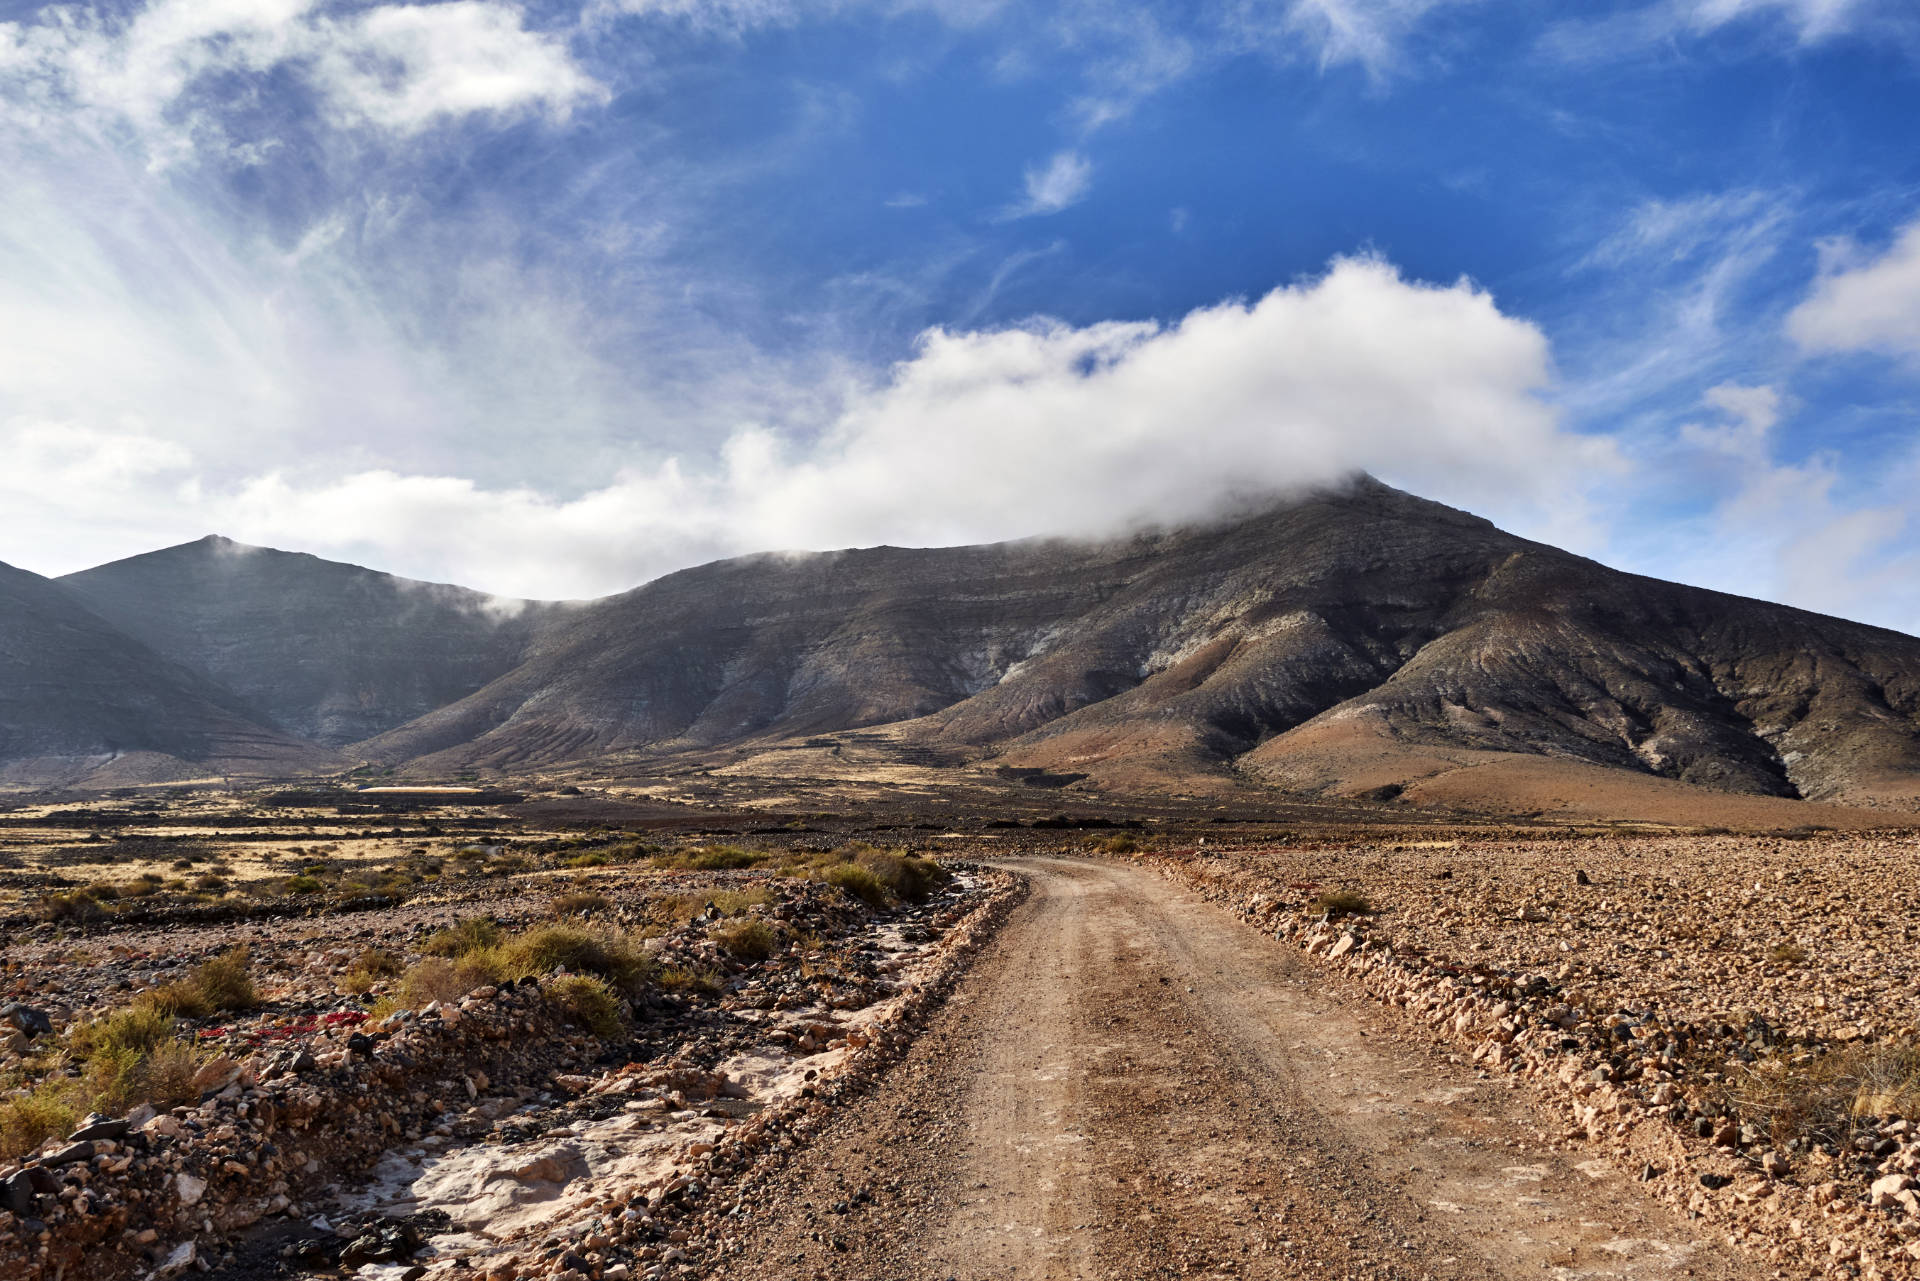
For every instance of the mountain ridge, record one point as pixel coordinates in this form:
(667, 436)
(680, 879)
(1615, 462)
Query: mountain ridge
(1352, 641)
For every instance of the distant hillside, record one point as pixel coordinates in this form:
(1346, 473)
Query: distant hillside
(1357, 640)
(77, 696)
(331, 652)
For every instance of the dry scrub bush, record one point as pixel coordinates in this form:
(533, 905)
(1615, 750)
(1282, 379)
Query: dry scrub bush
(710, 858)
(1342, 903)
(1122, 844)
(745, 939)
(589, 1002)
(875, 876)
(1787, 953)
(369, 968)
(1821, 1096)
(126, 1059)
(577, 904)
(468, 936)
(215, 986)
(76, 908)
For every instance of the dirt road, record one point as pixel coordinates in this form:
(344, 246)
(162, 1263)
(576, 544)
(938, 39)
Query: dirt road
(1134, 1084)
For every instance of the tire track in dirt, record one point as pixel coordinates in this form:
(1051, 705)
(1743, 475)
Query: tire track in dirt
(1131, 1083)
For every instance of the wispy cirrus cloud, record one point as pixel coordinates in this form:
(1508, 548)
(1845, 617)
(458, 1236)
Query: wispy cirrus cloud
(1062, 181)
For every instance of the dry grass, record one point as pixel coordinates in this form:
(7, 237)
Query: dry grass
(877, 877)
(577, 904)
(126, 1059)
(1822, 1096)
(589, 1002)
(217, 986)
(1342, 903)
(746, 939)
(710, 858)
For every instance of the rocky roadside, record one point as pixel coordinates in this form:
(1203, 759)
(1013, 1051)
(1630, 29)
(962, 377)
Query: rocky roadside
(1660, 1076)
(492, 1134)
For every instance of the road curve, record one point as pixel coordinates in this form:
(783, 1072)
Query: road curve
(1131, 1083)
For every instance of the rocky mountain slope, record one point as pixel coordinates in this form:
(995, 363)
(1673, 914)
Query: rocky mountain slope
(331, 652)
(1358, 641)
(77, 696)
(1354, 640)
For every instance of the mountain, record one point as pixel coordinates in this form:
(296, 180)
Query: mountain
(333, 653)
(1356, 640)
(78, 696)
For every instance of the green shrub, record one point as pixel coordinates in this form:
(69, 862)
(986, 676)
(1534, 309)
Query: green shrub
(589, 1002)
(549, 947)
(470, 935)
(593, 859)
(221, 984)
(303, 884)
(861, 882)
(711, 858)
(747, 938)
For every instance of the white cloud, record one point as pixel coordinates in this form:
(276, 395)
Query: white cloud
(1370, 33)
(1799, 23)
(1864, 304)
(1805, 531)
(396, 67)
(1064, 180)
(984, 435)
(1812, 19)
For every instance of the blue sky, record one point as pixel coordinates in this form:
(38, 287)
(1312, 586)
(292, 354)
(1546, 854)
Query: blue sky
(551, 298)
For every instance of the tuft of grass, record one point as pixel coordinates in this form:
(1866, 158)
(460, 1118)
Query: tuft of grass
(218, 985)
(710, 858)
(701, 982)
(861, 882)
(578, 904)
(1121, 844)
(746, 939)
(1342, 903)
(471, 935)
(1822, 1096)
(75, 908)
(589, 1002)
(1787, 952)
(876, 877)
(303, 884)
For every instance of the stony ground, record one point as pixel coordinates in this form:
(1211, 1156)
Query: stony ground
(1319, 1052)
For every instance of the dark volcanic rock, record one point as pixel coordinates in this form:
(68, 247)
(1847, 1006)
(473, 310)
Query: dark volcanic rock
(1400, 624)
(331, 652)
(76, 692)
